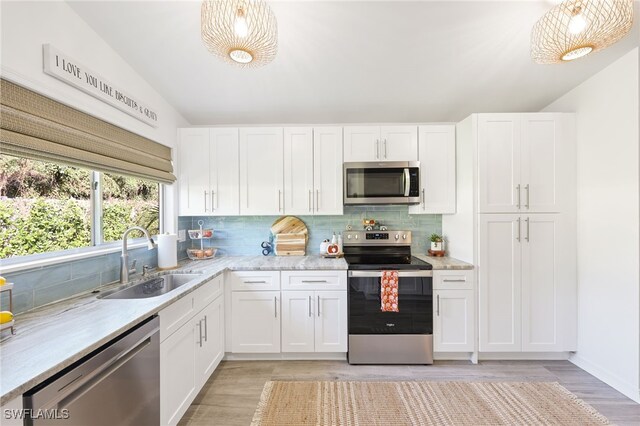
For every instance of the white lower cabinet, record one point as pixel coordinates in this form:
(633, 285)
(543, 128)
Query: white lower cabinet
(255, 321)
(314, 321)
(453, 311)
(190, 354)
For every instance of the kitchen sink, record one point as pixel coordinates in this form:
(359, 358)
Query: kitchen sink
(151, 288)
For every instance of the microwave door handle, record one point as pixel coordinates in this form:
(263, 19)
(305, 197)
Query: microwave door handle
(407, 182)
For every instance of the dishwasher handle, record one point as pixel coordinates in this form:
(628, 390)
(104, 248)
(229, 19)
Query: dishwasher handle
(83, 386)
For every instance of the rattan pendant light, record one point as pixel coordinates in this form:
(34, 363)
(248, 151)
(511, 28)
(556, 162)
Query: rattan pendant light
(243, 32)
(575, 28)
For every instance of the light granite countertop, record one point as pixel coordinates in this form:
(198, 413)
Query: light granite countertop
(55, 336)
(444, 263)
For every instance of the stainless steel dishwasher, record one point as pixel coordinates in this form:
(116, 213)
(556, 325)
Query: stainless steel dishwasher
(118, 384)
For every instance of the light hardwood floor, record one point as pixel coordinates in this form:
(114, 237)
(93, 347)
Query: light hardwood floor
(231, 395)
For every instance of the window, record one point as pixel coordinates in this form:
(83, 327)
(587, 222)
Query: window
(48, 207)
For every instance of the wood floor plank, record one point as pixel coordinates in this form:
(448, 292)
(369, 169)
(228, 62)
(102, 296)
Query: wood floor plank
(231, 395)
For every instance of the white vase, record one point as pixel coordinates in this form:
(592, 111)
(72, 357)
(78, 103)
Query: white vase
(439, 246)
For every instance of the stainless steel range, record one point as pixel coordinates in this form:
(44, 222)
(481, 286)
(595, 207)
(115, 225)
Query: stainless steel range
(377, 337)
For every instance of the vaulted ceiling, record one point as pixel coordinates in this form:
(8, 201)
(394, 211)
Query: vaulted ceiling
(349, 61)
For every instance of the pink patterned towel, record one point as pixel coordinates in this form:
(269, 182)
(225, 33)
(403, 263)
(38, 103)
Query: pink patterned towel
(389, 291)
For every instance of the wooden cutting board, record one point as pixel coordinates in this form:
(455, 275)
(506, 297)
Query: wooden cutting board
(290, 236)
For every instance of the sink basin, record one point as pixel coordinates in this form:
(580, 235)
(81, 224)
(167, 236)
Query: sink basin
(151, 288)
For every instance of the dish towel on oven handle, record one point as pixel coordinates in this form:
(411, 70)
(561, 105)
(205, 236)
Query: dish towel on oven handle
(389, 291)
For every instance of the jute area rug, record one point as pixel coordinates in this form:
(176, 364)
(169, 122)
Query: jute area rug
(421, 403)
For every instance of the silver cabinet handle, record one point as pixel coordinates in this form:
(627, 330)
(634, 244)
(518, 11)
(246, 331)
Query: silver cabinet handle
(213, 203)
(254, 282)
(454, 281)
(318, 305)
(527, 235)
(309, 306)
(518, 237)
(200, 333)
(438, 305)
(317, 199)
(518, 189)
(314, 281)
(310, 198)
(526, 188)
(275, 306)
(205, 200)
(385, 149)
(206, 334)
(377, 149)
(279, 202)
(424, 207)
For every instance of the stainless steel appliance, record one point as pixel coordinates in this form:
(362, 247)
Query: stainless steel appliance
(376, 337)
(118, 384)
(374, 182)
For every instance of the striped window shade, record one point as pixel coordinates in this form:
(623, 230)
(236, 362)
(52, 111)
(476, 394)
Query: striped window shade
(37, 127)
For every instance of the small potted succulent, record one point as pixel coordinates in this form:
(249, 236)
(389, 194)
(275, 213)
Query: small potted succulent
(437, 242)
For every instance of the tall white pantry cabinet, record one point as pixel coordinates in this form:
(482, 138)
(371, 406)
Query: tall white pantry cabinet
(516, 221)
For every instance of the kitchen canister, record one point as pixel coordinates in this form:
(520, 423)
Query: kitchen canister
(167, 251)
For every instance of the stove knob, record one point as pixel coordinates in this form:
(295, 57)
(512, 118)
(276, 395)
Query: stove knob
(356, 236)
(397, 237)
(404, 237)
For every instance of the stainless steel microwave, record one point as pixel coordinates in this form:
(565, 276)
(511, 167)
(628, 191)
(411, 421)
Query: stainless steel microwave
(393, 182)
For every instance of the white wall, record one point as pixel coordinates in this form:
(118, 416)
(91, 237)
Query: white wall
(26, 26)
(607, 107)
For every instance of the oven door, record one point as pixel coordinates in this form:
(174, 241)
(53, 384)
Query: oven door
(382, 183)
(415, 304)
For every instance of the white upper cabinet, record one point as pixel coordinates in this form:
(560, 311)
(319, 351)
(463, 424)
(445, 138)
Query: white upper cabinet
(261, 171)
(327, 171)
(437, 156)
(193, 171)
(520, 160)
(298, 170)
(399, 143)
(208, 176)
(224, 175)
(386, 143)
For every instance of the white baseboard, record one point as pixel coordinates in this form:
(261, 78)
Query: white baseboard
(453, 356)
(288, 356)
(624, 387)
(524, 356)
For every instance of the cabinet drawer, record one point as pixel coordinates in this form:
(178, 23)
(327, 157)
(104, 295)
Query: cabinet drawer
(175, 315)
(208, 292)
(453, 279)
(254, 280)
(314, 280)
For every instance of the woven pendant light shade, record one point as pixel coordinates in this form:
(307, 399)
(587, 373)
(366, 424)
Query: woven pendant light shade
(243, 32)
(575, 28)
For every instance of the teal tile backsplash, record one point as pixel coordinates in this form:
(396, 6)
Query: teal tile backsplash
(242, 235)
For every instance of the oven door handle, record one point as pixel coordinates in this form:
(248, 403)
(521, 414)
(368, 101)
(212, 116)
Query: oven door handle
(401, 274)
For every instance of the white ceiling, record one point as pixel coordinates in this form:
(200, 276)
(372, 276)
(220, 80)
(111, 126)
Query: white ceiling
(349, 61)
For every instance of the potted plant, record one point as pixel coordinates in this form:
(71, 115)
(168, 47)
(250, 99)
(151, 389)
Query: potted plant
(437, 242)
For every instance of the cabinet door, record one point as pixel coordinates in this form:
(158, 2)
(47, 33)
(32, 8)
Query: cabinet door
(255, 321)
(298, 170)
(499, 282)
(331, 321)
(193, 172)
(437, 156)
(179, 380)
(327, 170)
(297, 321)
(225, 175)
(209, 355)
(541, 163)
(261, 171)
(453, 321)
(362, 143)
(542, 263)
(399, 143)
(499, 187)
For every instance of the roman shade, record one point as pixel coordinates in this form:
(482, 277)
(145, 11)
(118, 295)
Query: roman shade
(37, 127)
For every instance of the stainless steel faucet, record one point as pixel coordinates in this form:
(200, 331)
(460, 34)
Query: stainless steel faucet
(124, 258)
